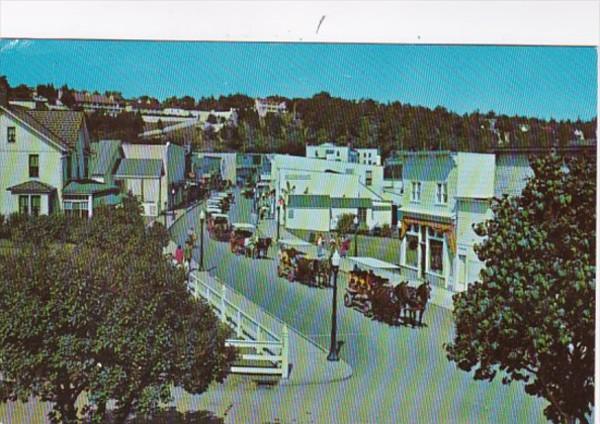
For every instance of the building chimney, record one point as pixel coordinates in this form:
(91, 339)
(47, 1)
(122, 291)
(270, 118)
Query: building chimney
(3, 92)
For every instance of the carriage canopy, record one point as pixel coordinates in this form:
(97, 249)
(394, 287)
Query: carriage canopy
(293, 243)
(213, 210)
(373, 263)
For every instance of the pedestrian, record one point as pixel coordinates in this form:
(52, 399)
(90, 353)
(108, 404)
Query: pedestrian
(320, 246)
(179, 256)
(187, 253)
(191, 235)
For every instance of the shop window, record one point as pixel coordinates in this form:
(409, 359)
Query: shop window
(436, 249)
(412, 251)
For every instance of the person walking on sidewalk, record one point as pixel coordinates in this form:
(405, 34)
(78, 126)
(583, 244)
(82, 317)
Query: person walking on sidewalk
(192, 236)
(187, 253)
(179, 256)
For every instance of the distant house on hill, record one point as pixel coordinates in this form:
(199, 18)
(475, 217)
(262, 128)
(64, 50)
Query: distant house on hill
(266, 106)
(97, 102)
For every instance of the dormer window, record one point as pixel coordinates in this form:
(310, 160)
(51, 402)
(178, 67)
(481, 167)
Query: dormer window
(442, 193)
(415, 194)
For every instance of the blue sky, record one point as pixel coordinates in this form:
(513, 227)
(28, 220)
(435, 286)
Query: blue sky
(558, 82)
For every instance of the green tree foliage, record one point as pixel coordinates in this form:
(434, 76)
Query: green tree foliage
(20, 92)
(108, 318)
(345, 224)
(531, 317)
(365, 123)
(67, 98)
(48, 91)
(125, 126)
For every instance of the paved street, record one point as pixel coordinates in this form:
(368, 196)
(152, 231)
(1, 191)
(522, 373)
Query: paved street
(399, 374)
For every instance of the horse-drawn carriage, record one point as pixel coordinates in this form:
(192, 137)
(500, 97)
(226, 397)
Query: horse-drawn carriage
(240, 241)
(296, 265)
(375, 296)
(218, 225)
(216, 202)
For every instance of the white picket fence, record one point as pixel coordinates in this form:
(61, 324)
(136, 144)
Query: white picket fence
(262, 351)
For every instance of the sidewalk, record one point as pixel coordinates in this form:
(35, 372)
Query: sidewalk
(439, 296)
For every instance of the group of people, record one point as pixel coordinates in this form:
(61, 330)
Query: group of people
(183, 256)
(341, 244)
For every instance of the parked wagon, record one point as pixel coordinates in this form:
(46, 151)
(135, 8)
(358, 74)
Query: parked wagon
(240, 241)
(373, 293)
(296, 265)
(218, 226)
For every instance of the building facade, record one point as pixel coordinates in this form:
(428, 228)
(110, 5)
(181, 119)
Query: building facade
(445, 193)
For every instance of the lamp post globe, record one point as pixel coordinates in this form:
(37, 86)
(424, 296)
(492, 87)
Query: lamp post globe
(333, 349)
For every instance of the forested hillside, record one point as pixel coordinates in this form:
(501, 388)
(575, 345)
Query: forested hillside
(362, 123)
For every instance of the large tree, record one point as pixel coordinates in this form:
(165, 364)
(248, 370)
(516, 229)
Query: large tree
(531, 317)
(107, 317)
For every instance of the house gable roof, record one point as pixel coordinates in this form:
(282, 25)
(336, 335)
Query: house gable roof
(62, 127)
(103, 153)
(140, 168)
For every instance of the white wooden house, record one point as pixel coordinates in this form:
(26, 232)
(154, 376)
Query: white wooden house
(445, 193)
(44, 162)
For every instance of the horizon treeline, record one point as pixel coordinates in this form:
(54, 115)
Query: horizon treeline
(361, 123)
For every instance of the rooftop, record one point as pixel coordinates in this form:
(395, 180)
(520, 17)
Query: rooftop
(141, 168)
(60, 126)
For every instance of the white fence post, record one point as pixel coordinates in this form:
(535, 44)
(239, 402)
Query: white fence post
(223, 291)
(239, 323)
(285, 351)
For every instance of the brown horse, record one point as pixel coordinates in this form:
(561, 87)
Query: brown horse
(261, 249)
(423, 295)
(413, 300)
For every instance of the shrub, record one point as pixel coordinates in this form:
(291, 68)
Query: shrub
(386, 230)
(345, 223)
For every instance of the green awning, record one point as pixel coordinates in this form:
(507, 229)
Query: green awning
(140, 168)
(88, 187)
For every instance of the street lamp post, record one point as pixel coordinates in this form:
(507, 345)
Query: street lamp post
(355, 221)
(202, 218)
(166, 213)
(333, 350)
(278, 214)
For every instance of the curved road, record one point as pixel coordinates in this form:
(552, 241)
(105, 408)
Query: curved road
(399, 374)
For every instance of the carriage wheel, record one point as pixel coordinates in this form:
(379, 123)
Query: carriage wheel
(367, 309)
(347, 300)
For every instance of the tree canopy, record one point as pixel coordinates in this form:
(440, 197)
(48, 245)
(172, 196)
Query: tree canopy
(531, 317)
(106, 317)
